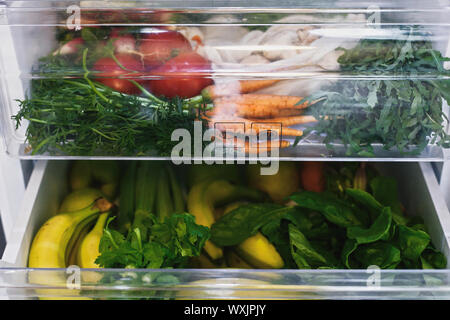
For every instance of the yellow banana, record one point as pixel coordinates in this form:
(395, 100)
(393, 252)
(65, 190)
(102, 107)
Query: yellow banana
(88, 251)
(80, 175)
(82, 230)
(105, 174)
(235, 261)
(204, 196)
(259, 252)
(50, 245)
(79, 199)
(202, 262)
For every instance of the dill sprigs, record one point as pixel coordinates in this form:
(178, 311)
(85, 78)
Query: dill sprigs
(70, 117)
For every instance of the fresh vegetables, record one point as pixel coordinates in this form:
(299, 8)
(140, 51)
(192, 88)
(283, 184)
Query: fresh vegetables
(351, 219)
(183, 76)
(257, 105)
(236, 87)
(405, 114)
(339, 226)
(204, 196)
(402, 111)
(117, 72)
(104, 106)
(159, 45)
(169, 244)
(102, 121)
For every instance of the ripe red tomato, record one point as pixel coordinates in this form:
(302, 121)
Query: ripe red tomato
(159, 45)
(184, 76)
(109, 71)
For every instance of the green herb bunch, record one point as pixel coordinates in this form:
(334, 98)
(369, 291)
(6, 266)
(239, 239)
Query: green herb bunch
(396, 100)
(82, 117)
(168, 244)
(70, 117)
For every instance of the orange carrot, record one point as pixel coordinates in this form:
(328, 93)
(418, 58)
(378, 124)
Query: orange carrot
(258, 147)
(236, 87)
(266, 100)
(263, 114)
(287, 121)
(258, 105)
(241, 125)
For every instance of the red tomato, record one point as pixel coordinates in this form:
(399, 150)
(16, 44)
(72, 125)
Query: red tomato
(184, 76)
(110, 71)
(159, 45)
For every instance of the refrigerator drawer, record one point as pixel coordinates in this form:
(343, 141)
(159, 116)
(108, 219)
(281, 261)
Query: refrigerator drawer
(420, 194)
(332, 79)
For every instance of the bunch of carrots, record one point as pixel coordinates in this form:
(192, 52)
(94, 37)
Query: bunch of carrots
(237, 109)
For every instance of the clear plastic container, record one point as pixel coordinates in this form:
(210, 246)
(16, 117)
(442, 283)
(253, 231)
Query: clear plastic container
(351, 80)
(420, 194)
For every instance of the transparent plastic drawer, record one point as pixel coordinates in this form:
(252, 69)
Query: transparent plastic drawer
(329, 79)
(420, 195)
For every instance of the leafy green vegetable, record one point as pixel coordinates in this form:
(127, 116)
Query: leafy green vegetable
(305, 256)
(243, 222)
(349, 247)
(381, 254)
(412, 242)
(403, 114)
(79, 116)
(343, 227)
(385, 190)
(335, 210)
(377, 231)
(170, 244)
(433, 259)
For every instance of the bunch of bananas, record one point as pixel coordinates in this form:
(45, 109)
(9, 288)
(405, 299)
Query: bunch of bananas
(72, 236)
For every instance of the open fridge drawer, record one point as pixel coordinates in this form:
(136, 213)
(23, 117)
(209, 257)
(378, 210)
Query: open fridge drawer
(419, 192)
(66, 93)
